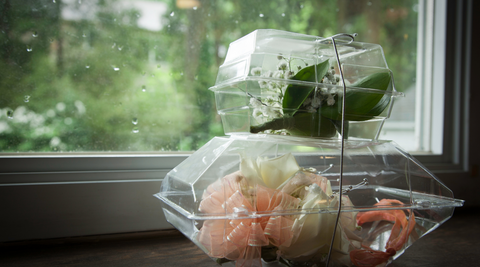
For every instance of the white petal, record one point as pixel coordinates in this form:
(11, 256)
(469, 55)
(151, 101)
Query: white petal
(277, 170)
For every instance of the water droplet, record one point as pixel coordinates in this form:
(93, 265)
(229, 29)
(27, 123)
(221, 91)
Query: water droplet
(144, 88)
(26, 98)
(135, 130)
(35, 34)
(195, 8)
(261, 15)
(172, 14)
(29, 48)
(9, 113)
(134, 121)
(87, 66)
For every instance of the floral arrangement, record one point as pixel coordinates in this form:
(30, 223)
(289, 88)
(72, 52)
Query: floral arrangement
(276, 191)
(306, 101)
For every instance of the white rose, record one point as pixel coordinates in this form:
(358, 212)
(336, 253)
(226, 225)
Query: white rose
(313, 232)
(269, 172)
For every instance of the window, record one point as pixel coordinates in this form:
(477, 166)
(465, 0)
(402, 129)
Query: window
(116, 93)
(125, 76)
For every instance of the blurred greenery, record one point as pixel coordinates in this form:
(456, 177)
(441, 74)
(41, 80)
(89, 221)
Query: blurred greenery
(96, 81)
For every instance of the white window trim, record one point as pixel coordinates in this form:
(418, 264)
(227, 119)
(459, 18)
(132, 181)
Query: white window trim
(429, 102)
(62, 195)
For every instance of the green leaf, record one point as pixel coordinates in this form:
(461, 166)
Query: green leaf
(338, 127)
(295, 94)
(312, 125)
(360, 106)
(300, 124)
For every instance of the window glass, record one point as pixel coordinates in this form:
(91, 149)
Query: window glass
(106, 75)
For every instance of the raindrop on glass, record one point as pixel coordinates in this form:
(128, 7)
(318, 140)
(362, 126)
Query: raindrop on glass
(9, 113)
(35, 34)
(134, 121)
(172, 14)
(135, 130)
(29, 48)
(144, 88)
(26, 98)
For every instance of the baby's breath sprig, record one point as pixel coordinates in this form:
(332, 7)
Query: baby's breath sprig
(271, 107)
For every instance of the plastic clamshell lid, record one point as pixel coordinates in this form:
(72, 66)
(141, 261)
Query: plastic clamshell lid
(255, 50)
(391, 173)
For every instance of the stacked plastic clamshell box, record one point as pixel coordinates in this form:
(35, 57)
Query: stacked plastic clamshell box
(301, 178)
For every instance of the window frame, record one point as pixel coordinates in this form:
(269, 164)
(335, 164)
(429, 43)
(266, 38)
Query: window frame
(40, 187)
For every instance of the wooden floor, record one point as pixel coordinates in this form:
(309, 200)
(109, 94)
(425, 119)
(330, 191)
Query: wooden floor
(455, 243)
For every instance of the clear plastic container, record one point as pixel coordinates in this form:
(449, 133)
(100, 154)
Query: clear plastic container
(264, 200)
(287, 83)
(303, 180)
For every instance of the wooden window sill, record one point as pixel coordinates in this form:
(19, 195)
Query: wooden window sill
(452, 244)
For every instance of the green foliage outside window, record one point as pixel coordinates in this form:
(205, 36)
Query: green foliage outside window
(101, 83)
